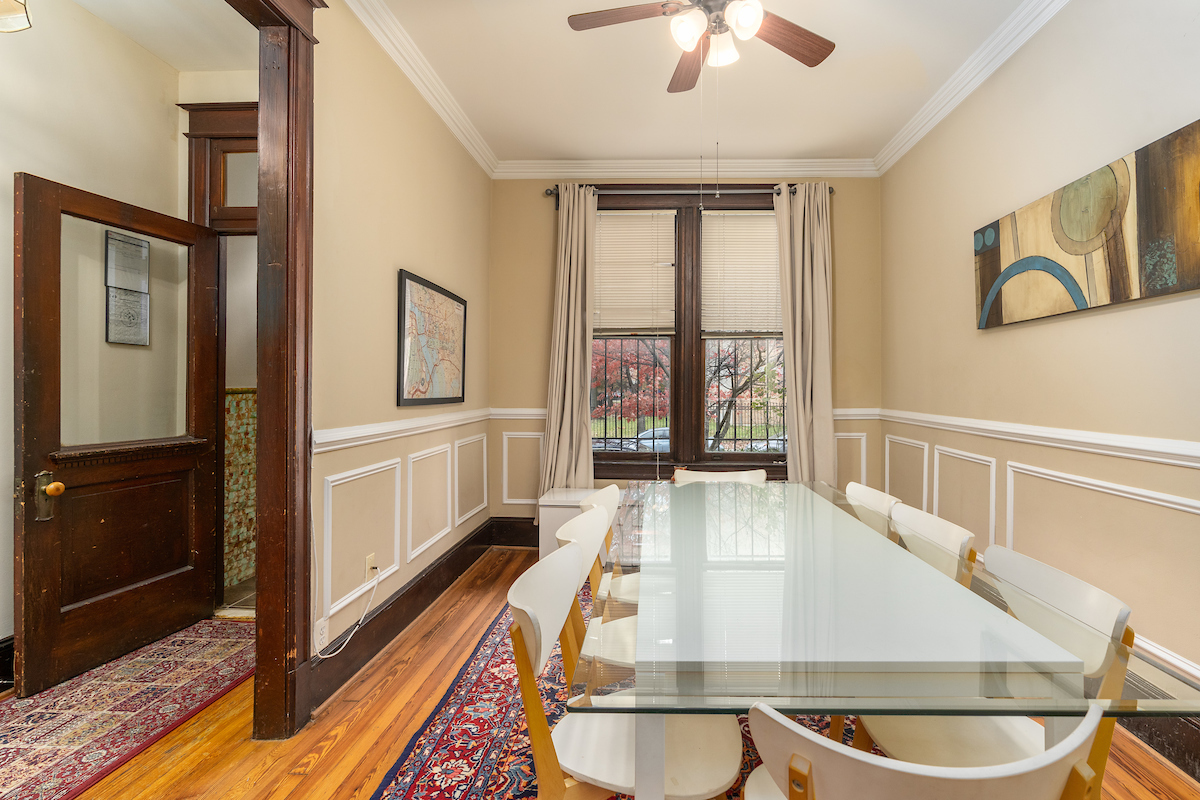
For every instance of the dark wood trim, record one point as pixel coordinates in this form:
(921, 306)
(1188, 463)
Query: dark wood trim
(1176, 739)
(6, 663)
(285, 230)
(221, 120)
(687, 347)
(297, 14)
(395, 614)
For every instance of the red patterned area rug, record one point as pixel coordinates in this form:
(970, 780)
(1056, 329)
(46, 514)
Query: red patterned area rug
(475, 744)
(56, 744)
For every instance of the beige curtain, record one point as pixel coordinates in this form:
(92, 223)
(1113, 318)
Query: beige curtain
(806, 286)
(567, 457)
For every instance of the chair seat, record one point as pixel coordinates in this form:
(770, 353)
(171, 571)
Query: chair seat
(760, 786)
(704, 753)
(623, 588)
(957, 741)
(616, 644)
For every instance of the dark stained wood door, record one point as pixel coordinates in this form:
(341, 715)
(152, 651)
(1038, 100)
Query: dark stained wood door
(115, 540)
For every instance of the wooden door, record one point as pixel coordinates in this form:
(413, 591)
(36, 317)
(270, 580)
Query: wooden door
(116, 429)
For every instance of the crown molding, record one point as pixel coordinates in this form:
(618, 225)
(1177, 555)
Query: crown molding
(396, 42)
(687, 168)
(1021, 25)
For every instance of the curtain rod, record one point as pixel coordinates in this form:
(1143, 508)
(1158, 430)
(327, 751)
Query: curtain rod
(553, 192)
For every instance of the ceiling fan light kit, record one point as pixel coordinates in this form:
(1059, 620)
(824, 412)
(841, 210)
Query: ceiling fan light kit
(745, 17)
(687, 28)
(723, 51)
(705, 29)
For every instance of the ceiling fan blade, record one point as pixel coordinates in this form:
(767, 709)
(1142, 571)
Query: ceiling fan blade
(687, 71)
(801, 44)
(612, 16)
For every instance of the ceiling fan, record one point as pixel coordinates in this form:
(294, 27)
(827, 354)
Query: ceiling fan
(706, 28)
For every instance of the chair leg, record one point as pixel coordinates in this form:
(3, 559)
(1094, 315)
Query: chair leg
(1082, 783)
(800, 779)
(837, 728)
(862, 739)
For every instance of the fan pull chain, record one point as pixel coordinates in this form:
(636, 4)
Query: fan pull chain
(717, 130)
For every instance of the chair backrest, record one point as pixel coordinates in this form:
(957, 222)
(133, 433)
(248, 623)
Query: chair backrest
(1094, 621)
(587, 530)
(609, 498)
(754, 476)
(873, 499)
(541, 599)
(837, 772)
(939, 542)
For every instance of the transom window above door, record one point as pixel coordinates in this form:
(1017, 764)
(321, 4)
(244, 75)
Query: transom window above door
(687, 344)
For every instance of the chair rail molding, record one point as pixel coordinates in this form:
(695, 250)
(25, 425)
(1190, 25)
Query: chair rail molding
(1173, 452)
(459, 516)
(887, 465)
(328, 605)
(441, 449)
(862, 457)
(330, 439)
(1171, 501)
(987, 461)
(516, 501)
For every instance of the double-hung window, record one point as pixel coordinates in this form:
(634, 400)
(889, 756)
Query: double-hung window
(687, 344)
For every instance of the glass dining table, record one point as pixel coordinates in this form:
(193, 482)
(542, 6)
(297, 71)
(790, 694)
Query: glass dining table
(720, 595)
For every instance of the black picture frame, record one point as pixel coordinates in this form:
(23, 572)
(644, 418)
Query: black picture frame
(405, 277)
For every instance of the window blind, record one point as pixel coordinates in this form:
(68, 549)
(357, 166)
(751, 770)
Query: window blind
(740, 281)
(634, 288)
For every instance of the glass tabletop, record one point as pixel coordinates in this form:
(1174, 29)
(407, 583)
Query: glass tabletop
(716, 595)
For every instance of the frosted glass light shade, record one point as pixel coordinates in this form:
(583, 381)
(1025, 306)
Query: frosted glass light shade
(686, 29)
(13, 16)
(745, 17)
(722, 50)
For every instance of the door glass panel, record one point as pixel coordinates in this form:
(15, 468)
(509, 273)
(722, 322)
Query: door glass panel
(124, 335)
(241, 179)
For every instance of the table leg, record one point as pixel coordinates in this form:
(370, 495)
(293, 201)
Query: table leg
(650, 756)
(1059, 728)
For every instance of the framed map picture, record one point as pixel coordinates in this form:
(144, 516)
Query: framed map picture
(433, 343)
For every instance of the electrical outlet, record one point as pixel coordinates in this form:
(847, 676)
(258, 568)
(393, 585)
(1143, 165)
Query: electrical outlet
(370, 566)
(322, 633)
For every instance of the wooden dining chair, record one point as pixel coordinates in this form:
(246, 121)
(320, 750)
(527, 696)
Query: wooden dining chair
(940, 543)
(586, 530)
(752, 476)
(1086, 621)
(801, 765)
(861, 496)
(624, 588)
(597, 751)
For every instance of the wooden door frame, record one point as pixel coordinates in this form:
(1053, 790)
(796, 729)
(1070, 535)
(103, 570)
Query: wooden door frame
(282, 703)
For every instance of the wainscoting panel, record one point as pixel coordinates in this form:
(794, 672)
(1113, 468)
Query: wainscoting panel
(906, 470)
(430, 484)
(964, 492)
(850, 458)
(470, 483)
(367, 494)
(1142, 545)
(521, 466)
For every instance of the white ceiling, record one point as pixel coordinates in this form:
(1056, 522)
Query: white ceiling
(190, 35)
(536, 90)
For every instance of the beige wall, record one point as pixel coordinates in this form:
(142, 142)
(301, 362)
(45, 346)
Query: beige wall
(524, 225)
(1059, 108)
(393, 189)
(64, 78)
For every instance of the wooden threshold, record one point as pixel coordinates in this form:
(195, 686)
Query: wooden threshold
(346, 751)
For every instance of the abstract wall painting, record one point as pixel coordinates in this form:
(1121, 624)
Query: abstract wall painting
(1128, 231)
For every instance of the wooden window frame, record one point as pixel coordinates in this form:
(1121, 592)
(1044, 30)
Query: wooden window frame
(687, 347)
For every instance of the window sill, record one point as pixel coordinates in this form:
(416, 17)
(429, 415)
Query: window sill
(645, 470)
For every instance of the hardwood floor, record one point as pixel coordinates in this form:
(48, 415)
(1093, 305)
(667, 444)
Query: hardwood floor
(348, 748)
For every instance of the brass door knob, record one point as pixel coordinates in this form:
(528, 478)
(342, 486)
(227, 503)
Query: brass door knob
(55, 489)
